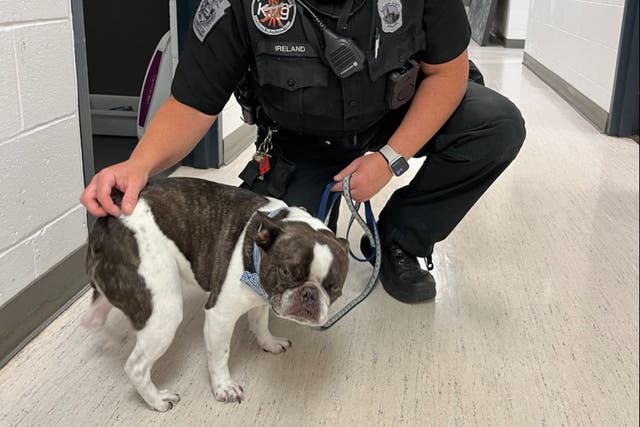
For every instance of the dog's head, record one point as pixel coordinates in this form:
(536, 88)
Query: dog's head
(303, 265)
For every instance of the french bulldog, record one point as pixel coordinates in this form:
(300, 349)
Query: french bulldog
(193, 231)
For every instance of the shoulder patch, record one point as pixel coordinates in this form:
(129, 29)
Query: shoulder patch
(273, 17)
(209, 12)
(390, 12)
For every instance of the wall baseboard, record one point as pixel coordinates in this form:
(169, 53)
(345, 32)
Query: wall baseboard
(585, 106)
(509, 43)
(25, 315)
(236, 142)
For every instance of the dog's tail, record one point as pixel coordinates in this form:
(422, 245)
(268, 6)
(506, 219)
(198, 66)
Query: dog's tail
(97, 313)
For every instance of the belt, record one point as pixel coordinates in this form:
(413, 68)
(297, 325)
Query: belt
(357, 141)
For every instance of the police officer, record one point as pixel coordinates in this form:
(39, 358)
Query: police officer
(343, 87)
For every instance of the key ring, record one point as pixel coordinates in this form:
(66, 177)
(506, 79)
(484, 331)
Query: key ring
(267, 143)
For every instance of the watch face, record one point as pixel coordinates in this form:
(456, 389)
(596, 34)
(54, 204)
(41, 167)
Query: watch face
(400, 166)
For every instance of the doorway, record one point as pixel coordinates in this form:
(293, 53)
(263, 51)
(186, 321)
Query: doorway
(114, 43)
(121, 36)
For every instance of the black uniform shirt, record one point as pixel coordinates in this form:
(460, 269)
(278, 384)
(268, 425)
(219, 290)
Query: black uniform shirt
(209, 70)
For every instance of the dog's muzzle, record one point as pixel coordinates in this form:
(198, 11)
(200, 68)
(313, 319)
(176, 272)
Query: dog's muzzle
(307, 304)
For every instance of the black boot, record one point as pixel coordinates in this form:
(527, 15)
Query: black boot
(401, 275)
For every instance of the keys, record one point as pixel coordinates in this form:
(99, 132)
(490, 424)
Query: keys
(262, 156)
(265, 165)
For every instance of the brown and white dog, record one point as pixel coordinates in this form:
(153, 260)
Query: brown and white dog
(187, 230)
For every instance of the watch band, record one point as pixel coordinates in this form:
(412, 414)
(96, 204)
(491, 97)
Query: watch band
(389, 154)
(397, 163)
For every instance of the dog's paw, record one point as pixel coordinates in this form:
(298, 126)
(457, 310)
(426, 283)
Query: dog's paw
(228, 392)
(166, 401)
(275, 345)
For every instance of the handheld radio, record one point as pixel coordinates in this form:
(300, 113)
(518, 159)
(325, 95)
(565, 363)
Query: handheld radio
(342, 54)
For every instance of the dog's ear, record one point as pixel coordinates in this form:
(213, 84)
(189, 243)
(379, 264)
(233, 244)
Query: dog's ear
(268, 231)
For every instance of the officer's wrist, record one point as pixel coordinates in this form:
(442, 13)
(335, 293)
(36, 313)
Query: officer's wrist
(395, 160)
(386, 163)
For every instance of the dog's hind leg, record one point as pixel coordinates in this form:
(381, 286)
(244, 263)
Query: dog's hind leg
(97, 313)
(259, 325)
(156, 336)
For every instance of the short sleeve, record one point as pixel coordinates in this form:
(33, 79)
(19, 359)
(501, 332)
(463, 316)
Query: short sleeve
(447, 30)
(209, 70)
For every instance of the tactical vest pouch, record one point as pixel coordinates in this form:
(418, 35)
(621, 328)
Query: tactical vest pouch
(291, 74)
(291, 87)
(394, 51)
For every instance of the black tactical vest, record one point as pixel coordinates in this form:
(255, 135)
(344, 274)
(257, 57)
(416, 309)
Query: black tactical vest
(299, 91)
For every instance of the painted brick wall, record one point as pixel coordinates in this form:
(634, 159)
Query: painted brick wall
(512, 17)
(41, 221)
(578, 40)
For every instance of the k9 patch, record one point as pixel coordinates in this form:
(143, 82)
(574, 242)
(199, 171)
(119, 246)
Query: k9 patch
(390, 12)
(209, 12)
(273, 17)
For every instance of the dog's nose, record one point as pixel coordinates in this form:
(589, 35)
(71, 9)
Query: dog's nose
(309, 293)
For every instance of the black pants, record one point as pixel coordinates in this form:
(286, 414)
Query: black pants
(463, 159)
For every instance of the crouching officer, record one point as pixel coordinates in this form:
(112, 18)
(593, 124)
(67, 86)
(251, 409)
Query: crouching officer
(341, 87)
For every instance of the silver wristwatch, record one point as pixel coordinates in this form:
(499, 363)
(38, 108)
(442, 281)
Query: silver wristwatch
(398, 164)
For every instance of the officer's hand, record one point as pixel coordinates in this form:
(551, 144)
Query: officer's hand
(371, 174)
(128, 177)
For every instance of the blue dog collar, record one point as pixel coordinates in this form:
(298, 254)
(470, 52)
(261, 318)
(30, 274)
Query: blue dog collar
(250, 279)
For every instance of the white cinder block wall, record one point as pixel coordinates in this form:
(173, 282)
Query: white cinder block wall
(41, 221)
(512, 17)
(578, 40)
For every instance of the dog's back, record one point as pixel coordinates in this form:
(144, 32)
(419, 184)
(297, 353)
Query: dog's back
(177, 220)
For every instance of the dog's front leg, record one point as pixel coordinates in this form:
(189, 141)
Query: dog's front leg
(218, 328)
(220, 320)
(259, 325)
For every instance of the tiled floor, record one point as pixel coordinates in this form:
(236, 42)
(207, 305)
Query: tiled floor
(535, 323)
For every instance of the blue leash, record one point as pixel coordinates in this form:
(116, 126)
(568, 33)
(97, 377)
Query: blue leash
(329, 199)
(327, 204)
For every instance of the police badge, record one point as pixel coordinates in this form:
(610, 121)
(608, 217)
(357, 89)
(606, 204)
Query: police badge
(390, 12)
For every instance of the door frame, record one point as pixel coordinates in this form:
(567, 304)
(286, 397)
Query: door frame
(623, 118)
(84, 104)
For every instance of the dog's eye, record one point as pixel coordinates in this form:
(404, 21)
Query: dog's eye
(284, 272)
(333, 288)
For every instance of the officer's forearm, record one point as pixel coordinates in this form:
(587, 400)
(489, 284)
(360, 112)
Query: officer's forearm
(436, 99)
(172, 134)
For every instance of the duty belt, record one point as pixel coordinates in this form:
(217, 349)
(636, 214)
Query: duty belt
(350, 142)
